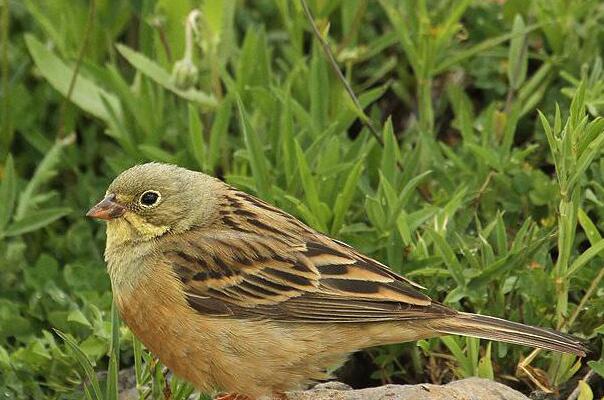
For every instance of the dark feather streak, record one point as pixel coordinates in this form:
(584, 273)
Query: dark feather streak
(266, 227)
(362, 287)
(258, 280)
(333, 269)
(288, 277)
(317, 249)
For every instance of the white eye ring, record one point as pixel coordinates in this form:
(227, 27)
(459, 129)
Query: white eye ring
(150, 198)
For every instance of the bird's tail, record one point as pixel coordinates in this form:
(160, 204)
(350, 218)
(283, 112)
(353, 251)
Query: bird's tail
(492, 328)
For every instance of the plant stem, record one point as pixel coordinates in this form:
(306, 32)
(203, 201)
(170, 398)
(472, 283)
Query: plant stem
(6, 133)
(334, 66)
(590, 291)
(575, 393)
(76, 69)
(567, 223)
(424, 99)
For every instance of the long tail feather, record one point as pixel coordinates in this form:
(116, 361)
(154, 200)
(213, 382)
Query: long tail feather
(492, 328)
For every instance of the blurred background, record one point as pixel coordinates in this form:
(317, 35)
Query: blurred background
(468, 159)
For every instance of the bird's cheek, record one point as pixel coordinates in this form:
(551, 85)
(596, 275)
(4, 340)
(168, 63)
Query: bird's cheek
(145, 229)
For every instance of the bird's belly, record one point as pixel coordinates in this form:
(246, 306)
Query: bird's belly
(235, 355)
(250, 357)
(163, 322)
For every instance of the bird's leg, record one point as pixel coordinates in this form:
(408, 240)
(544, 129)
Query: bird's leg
(236, 396)
(232, 396)
(536, 375)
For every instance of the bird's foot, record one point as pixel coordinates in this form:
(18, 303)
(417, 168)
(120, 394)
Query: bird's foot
(237, 396)
(232, 396)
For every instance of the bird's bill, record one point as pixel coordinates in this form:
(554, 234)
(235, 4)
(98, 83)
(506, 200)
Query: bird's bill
(107, 209)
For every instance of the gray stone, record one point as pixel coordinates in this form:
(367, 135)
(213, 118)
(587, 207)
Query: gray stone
(466, 389)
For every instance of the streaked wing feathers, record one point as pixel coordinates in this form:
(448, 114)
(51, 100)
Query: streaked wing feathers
(263, 263)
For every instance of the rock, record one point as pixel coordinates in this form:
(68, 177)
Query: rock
(332, 385)
(466, 389)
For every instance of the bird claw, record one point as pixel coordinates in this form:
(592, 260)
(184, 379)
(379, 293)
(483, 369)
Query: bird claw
(236, 396)
(232, 396)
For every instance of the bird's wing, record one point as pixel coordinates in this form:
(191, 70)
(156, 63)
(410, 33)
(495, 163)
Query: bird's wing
(263, 263)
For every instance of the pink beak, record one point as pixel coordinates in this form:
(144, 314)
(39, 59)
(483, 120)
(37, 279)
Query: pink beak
(107, 209)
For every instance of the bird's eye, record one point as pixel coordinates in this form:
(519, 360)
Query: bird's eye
(149, 198)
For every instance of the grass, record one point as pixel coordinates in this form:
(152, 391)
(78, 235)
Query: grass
(461, 145)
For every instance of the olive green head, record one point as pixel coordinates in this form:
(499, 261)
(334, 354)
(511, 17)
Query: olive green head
(153, 199)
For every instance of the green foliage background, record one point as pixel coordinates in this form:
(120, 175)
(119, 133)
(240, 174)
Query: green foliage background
(465, 189)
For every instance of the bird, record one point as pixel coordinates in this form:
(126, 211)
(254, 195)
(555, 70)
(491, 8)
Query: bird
(238, 296)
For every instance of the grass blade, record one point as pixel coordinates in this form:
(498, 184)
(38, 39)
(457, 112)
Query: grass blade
(85, 94)
(82, 359)
(198, 145)
(8, 192)
(162, 77)
(256, 154)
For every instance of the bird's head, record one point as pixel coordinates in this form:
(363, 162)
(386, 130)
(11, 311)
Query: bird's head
(150, 200)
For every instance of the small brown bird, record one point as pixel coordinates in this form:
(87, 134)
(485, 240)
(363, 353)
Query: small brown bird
(234, 294)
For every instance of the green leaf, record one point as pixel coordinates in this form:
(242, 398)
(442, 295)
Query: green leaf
(485, 366)
(518, 54)
(45, 270)
(286, 137)
(117, 130)
(479, 48)
(318, 88)
(307, 215)
(8, 192)
(448, 255)
(198, 146)
(4, 359)
(256, 154)
(46, 170)
(77, 316)
(310, 189)
(511, 261)
(501, 238)
(452, 206)
(375, 213)
(219, 16)
(36, 220)
(114, 356)
(451, 25)
(584, 161)
(162, 77)
(218, 133)
(487, 155)
(85, 363)
(137, 350)
(404, 36)
(585, 392)
(389, 153)
(408, 190)
(86, 94)
(156, 153)
(577, 106)
(462, 108)
(585, 257)
(597, 366)
(344, 198)
(590, 229)
(464, 362)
